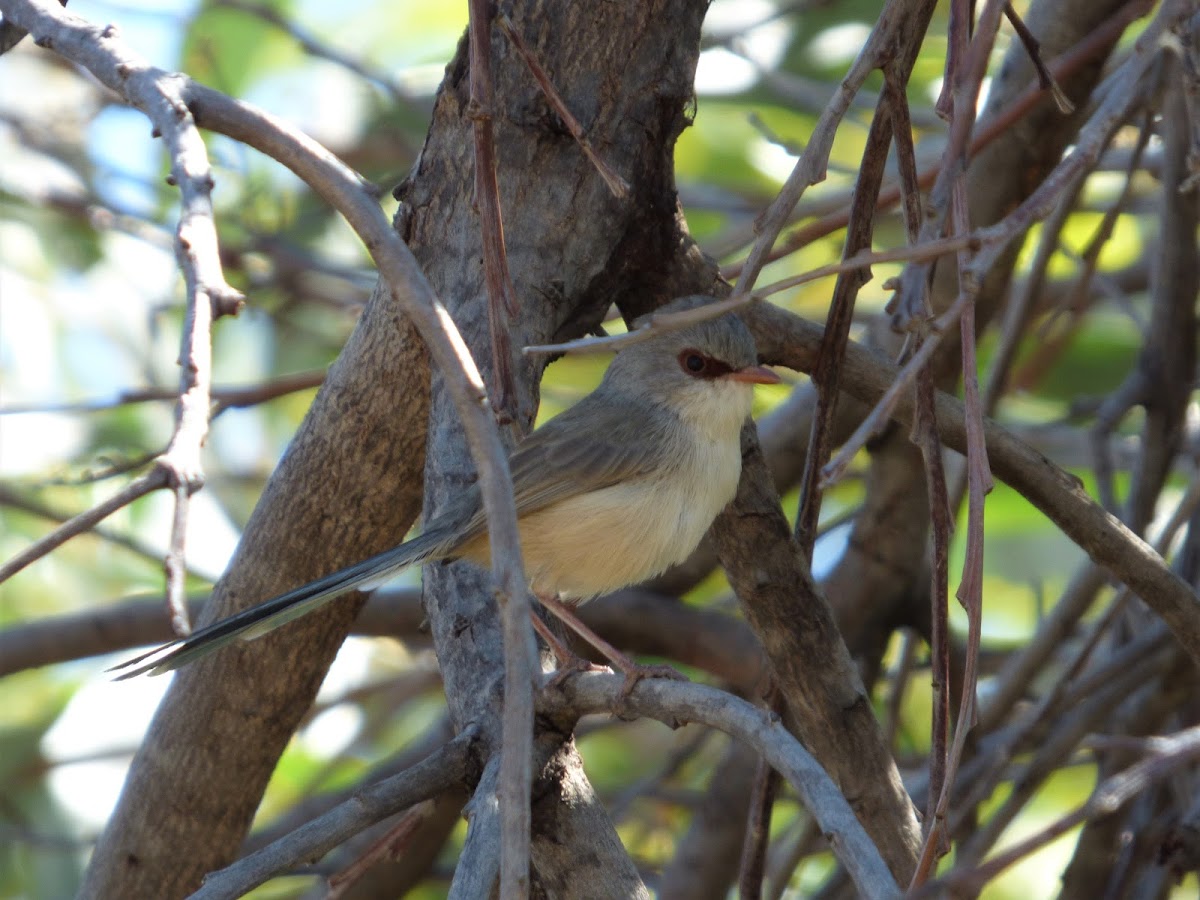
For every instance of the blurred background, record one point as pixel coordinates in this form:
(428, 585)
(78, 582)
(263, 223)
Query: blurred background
(90, 317)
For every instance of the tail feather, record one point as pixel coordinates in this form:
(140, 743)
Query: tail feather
(271, 614)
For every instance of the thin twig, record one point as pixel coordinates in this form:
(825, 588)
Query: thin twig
(758, 820)
(388, 847)
(1109, 796)
(223, 398)
(658, 323)
(909, 307)
(617, 185)
(428, 778)
(810, 167)
(353, 196)
(758, 832)
(12, 499)
(154, 480)
(841, 310)
(501, 294)
(925, 435)
(1045, 78)
(516, 753)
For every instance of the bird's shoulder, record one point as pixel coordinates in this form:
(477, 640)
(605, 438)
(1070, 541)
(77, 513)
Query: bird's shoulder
(595, 444)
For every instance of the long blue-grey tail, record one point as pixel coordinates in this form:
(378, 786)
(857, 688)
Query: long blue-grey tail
(271, 614)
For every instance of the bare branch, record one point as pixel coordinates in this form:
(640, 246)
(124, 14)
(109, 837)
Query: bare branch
(896, 16)
(788, 340)
(516, 775)
(436, 773)
(155, 480)
(671, 701)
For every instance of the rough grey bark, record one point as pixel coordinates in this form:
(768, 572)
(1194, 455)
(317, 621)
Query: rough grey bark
(830, 709)
(346, 488)
(349, 485)
(626, 72)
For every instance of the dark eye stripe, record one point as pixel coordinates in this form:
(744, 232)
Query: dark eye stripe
(701, 365)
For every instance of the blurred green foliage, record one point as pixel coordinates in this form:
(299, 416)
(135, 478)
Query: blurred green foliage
(91, 307)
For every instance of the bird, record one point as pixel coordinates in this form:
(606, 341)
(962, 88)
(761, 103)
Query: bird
(609, 493)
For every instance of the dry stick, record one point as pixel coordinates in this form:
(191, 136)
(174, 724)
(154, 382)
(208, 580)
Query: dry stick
(1122, 87)
(13, 500)
(1079, 299)
(222, 397)
(388, 847)
(617, 185)
(502, 295)
(752, 866)
(958, 39)
(350, 194)
(758, 834)
(1018, 316)
(970, 588)
(1095, 43)
(910, 308)
(840, 317)
(1137, 388)
(810, 167)
(516, 763)
(654, 324)
(1168, 360)
(208, 297)
(85, 521)
(1170, 753)
(1045, 79)
(428, 778)
(925, 435)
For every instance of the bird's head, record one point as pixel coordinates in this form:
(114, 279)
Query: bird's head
(703, 373)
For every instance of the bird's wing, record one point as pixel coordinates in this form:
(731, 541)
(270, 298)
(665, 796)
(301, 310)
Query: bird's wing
(591, 446)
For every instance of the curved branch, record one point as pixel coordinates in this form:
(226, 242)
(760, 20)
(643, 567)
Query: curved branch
(672, 702)
(103, 55)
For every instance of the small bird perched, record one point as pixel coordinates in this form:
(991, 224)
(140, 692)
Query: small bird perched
(609, 493)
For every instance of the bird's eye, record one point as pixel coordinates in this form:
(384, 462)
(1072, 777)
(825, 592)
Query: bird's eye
(693, 362)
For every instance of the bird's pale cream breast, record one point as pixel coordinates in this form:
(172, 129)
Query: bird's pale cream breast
(621, 535)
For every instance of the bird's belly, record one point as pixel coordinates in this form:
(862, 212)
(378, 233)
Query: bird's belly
(593, 544)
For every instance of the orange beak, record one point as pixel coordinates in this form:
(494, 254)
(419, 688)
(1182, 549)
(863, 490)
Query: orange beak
(754, 375)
